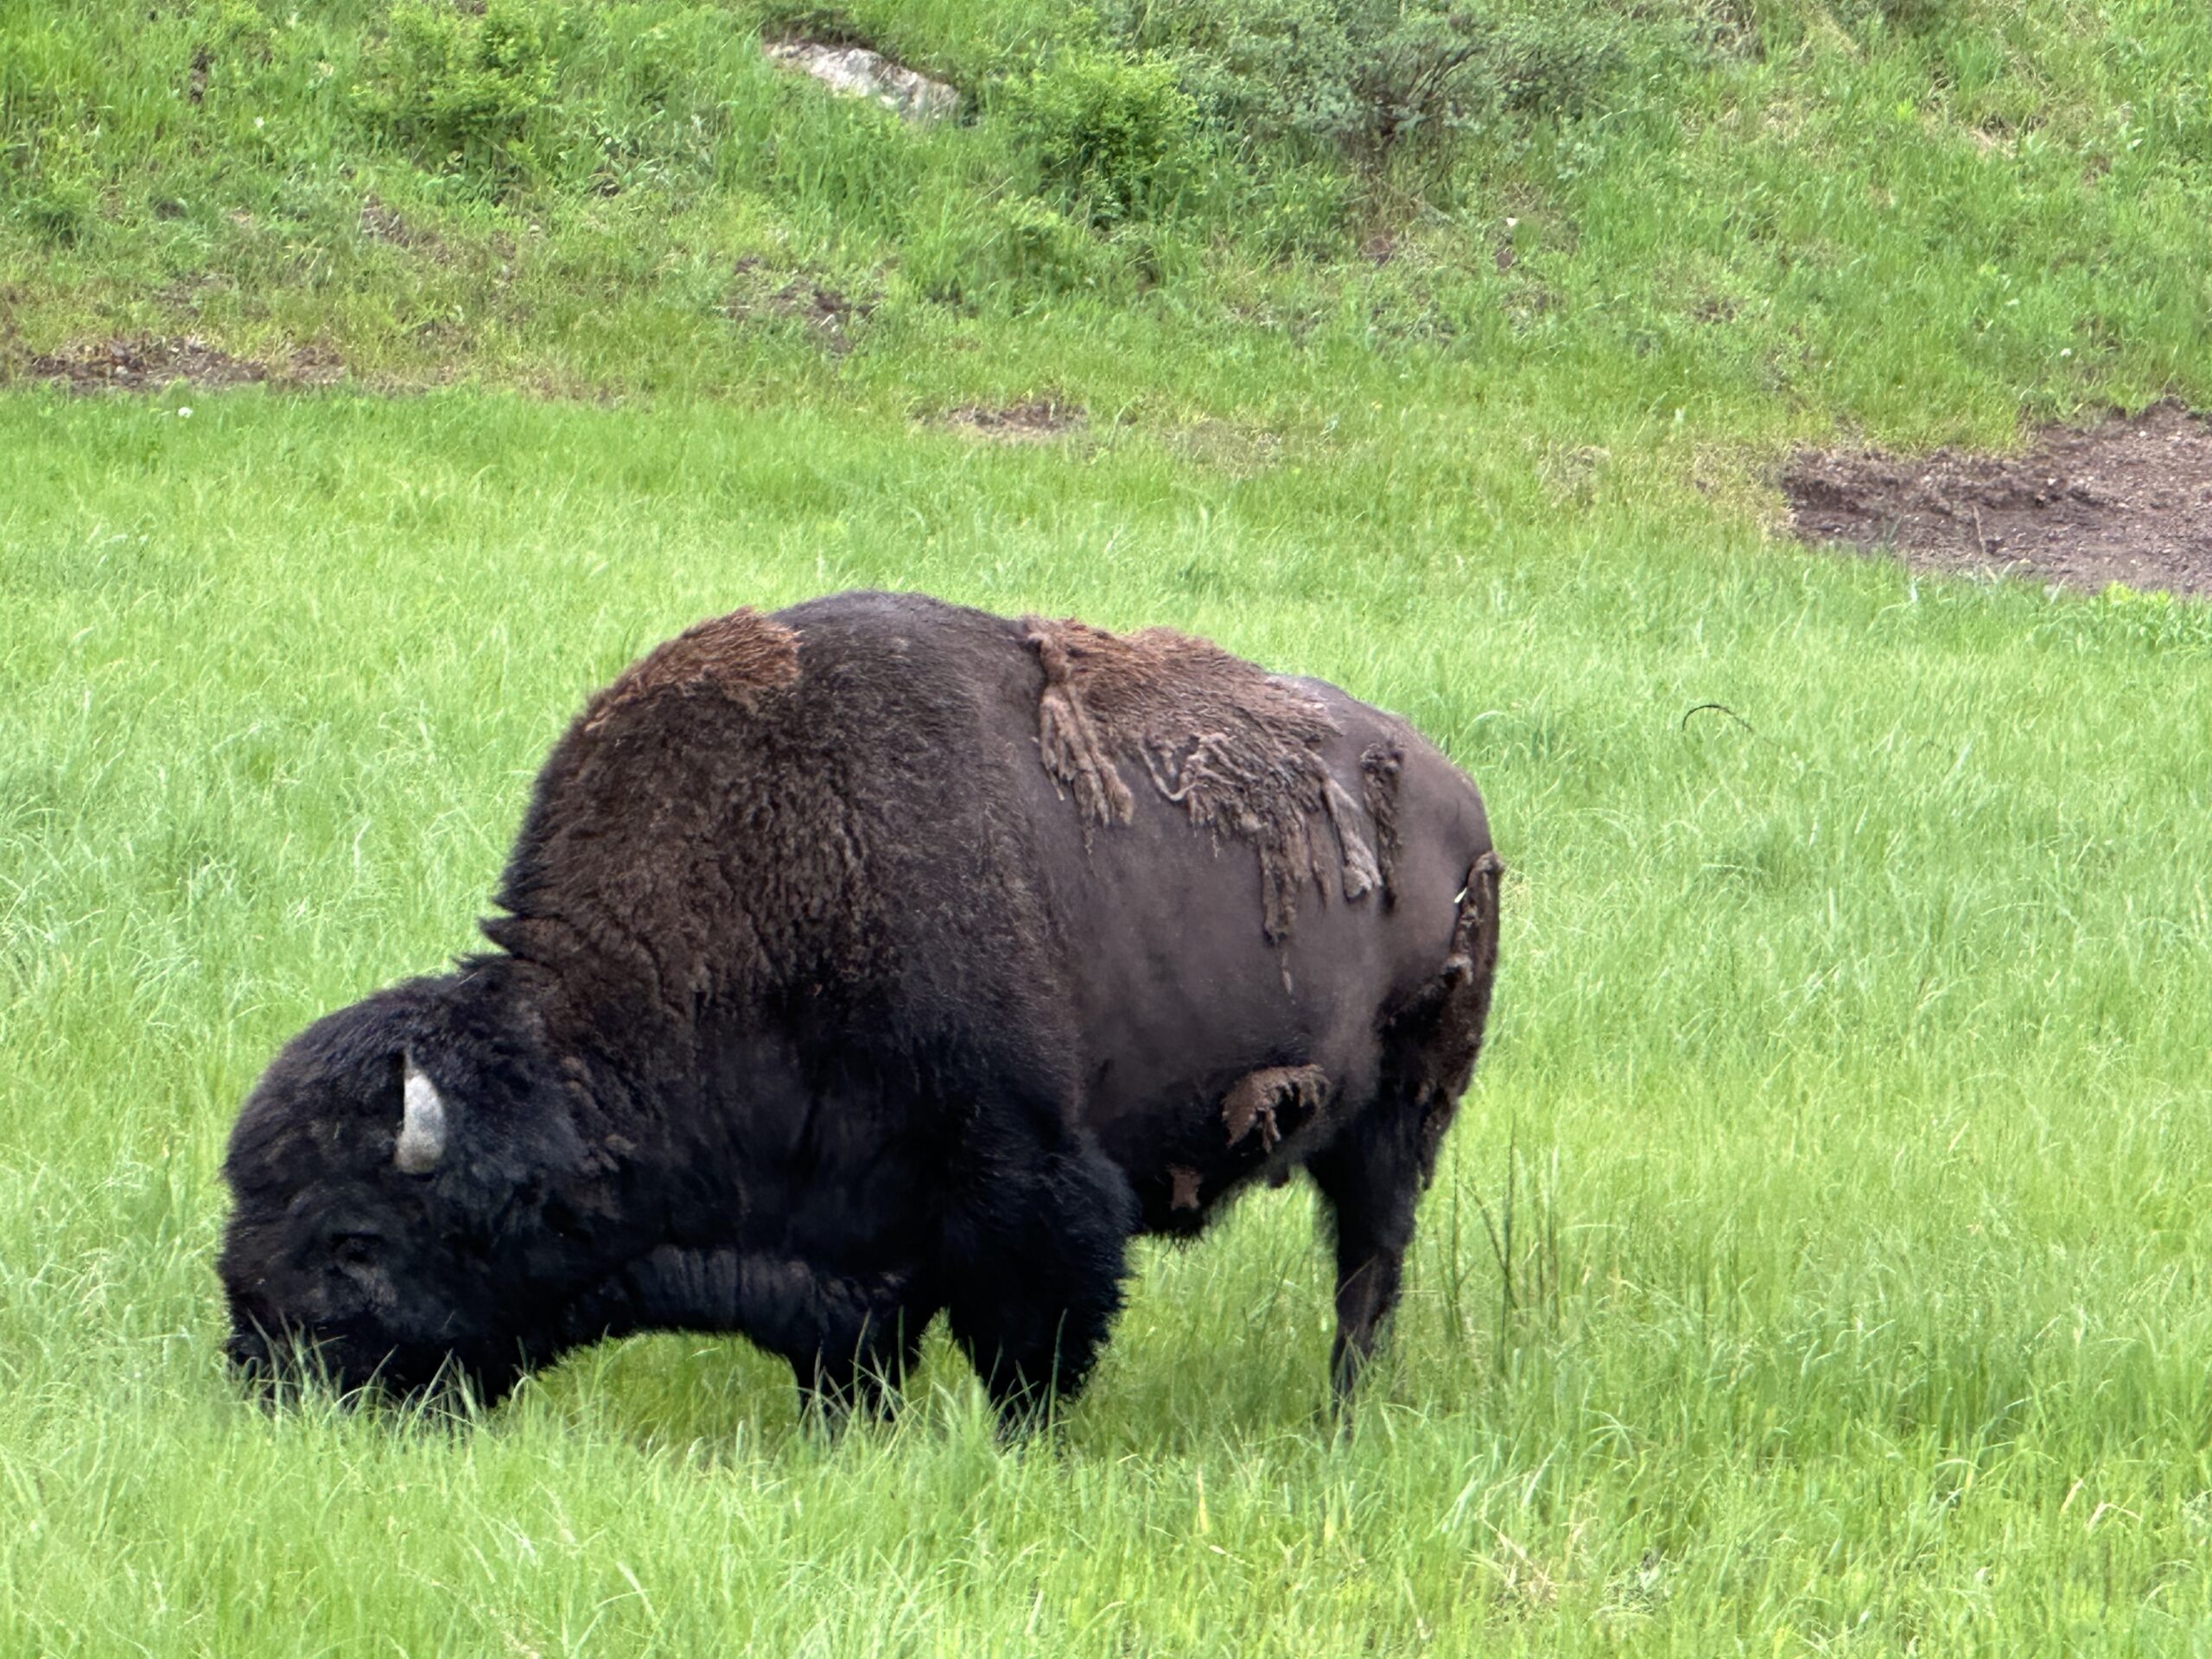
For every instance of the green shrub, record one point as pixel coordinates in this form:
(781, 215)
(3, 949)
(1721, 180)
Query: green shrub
(463, 87)
(1554, 60)
(1362, 76)
(1109, 135)
(1378, 80)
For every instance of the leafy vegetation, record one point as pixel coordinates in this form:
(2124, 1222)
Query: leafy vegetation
(1819, 1263)
(1372, 79)
(461, 88)
(1109, 135)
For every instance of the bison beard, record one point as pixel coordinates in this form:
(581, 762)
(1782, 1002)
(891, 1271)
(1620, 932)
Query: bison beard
(876, 959)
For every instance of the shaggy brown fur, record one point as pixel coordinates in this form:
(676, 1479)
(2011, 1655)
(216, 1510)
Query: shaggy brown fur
(736, 655)
(1237, 748)
(697, 738)
(1275, 1100)
(1462, 993)
(1378, 769)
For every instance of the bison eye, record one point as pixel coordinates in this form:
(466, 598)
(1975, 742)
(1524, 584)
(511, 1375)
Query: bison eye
(355, 1249)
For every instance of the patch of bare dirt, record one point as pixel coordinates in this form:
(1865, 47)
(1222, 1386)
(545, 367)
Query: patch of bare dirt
(755, 292)
(312, 365)
(149, 365)
(2128, 500)
(1037, 421)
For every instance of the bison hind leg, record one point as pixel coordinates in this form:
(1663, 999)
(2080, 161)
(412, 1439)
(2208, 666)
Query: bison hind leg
(1372, 1175)
(1032, 1278)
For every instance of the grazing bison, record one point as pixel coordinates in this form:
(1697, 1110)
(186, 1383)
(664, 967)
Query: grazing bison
(875, 958)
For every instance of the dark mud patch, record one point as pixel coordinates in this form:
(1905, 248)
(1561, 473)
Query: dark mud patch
(149, 365)
(2128, 500)
(1039, 420)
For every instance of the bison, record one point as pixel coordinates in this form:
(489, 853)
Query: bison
(876, 958)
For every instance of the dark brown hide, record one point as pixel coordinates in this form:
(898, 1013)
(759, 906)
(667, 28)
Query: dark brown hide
(1184, 1187)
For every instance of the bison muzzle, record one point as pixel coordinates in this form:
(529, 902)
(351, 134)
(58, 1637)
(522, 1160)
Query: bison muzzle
(876, 959)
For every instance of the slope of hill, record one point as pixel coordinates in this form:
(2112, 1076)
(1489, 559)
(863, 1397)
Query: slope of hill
(1924, 217)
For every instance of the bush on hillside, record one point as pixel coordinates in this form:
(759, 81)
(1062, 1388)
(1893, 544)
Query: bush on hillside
(1379, 80)
(461, 86)
(1109, 135)
(1363, 76)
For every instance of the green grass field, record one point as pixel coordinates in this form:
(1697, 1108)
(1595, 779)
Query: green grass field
(1817, 1265)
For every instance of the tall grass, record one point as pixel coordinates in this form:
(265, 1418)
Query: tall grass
(1846, 1090)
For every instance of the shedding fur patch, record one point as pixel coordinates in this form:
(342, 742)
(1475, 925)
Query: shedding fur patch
(738, 655)
(1379, 770)
(1274, 1102)
(1236, 748)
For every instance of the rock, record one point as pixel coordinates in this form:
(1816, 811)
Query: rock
(858, 72)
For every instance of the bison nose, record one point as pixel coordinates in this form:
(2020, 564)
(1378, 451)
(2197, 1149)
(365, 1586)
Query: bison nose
(249, 1351)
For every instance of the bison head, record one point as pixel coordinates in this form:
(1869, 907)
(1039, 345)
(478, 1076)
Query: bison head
(397, 1222)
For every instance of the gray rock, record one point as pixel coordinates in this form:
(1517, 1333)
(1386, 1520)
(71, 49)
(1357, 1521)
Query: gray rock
(858, 72)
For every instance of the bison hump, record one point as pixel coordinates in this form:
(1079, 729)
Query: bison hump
(737, 657)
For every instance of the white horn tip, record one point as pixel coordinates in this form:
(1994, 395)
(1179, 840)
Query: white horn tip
(422, 1123)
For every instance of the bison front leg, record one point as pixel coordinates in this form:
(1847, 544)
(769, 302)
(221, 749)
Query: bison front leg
(862, 1374)
(1034, 1277)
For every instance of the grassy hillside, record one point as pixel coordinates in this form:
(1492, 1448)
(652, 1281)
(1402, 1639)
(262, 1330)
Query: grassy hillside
(1921, 215)
(1848, 1095)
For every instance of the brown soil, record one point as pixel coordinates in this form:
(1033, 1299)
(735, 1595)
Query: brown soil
(149, 365)
(1038, 421)
(2128, 500)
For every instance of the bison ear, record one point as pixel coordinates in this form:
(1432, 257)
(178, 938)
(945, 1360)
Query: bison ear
(422, 1123)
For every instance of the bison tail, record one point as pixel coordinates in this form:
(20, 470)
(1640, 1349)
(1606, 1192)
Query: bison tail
(1440, 1037)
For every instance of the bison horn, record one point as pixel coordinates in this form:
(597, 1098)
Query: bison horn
(422, 1123)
